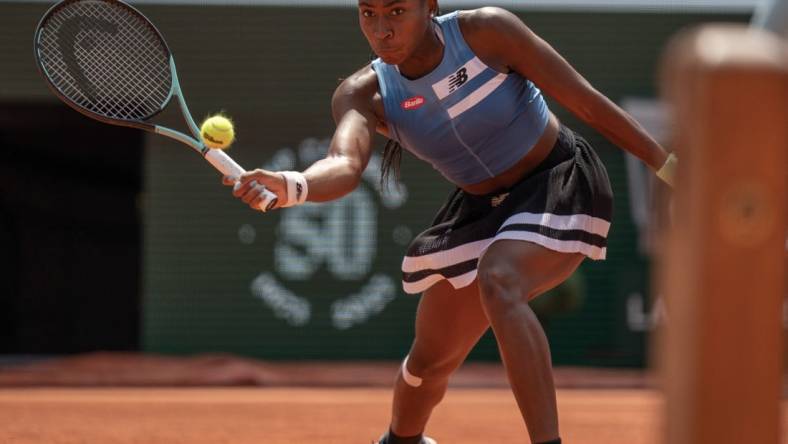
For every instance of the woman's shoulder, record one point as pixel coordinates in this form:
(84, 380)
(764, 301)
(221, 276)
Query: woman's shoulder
(488, 19)
(362, 84)
(484, 30)
(358, 91)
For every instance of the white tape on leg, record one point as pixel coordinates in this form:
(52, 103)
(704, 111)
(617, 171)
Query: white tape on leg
(413, 381)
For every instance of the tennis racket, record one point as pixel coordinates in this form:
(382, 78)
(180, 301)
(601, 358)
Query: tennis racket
(108, 61)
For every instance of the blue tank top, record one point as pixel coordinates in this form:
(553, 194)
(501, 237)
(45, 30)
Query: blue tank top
(466, 119)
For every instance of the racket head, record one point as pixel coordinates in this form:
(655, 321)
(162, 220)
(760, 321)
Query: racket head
(106, 60)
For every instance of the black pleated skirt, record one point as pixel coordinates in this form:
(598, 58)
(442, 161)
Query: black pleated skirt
(565, 204)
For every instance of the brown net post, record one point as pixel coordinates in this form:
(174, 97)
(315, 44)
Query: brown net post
(723, 272)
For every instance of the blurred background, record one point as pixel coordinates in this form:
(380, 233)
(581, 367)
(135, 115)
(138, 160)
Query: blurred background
(115, 240)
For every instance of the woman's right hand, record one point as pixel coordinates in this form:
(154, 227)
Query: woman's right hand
(251, 185)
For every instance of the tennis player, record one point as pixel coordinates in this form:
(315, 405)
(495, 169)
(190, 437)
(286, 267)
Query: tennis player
(464, 92)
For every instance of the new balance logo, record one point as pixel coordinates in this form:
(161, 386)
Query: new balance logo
(461, 76)
(299, 191)
(457, 79)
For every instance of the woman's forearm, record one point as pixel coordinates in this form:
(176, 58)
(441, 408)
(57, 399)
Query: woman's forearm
(620, 128)
(332, 177)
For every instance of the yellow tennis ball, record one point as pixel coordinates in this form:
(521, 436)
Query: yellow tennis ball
(217, 132)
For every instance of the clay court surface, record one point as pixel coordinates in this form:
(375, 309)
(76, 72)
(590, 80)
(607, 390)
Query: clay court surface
(303, 415)
(141, 399)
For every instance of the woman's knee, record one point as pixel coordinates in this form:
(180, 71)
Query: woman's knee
(512, 273)
(501, 284)
(421, 366)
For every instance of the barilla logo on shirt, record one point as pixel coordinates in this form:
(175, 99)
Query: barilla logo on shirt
(412, 103)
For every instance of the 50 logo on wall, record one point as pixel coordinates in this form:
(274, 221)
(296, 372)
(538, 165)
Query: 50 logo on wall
(341, 237)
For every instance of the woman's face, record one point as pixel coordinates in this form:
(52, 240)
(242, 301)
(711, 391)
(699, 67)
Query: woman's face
(394, 28)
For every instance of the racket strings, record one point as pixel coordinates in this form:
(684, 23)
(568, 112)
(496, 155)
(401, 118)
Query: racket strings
(106, 59)
(118, 80)
(132, 81)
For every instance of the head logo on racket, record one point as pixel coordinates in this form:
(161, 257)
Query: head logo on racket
(106, 60)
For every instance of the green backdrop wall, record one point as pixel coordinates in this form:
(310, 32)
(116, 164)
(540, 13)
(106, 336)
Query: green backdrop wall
(321, 281)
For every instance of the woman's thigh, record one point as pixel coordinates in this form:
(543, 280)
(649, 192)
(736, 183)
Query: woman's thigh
(449, 322)
(530, 267)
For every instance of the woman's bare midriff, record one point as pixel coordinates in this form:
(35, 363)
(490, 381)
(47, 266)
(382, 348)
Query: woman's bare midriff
(525, 165)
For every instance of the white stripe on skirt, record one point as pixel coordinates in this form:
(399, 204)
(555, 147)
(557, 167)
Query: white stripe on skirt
(471, 250)
(474, 250)
(460, 281)
(591, 224)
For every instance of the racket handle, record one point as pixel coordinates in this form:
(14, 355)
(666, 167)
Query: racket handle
(227, 166)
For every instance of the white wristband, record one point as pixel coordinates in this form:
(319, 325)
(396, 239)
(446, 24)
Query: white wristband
(297, 188)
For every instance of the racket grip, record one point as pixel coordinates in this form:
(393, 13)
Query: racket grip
(227, 166)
